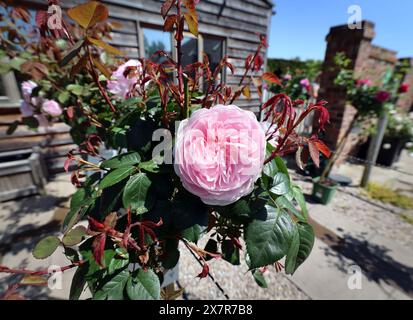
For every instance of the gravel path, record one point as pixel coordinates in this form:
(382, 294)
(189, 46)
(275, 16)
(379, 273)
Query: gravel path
(236, 281)
(382, 218)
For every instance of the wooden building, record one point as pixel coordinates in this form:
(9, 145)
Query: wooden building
(226, 27)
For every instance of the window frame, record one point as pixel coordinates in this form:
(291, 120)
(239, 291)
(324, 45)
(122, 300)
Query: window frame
(201, 36)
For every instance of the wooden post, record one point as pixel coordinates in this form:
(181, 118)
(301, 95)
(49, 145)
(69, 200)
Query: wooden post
(374, 149)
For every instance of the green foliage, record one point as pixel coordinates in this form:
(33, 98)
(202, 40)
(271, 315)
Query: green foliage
(136, 191)
(46, 247)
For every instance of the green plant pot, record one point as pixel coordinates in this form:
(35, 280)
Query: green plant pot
(323, 193)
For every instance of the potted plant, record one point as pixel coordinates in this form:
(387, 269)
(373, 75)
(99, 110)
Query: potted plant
(217, 173)
(369, 101)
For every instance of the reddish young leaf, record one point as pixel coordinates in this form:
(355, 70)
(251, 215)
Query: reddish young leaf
(166, 6)
(169, 23)
(70, 112)
(323, 148)
(272, 78)
(314, 153)
(205, 271)
(98, 248)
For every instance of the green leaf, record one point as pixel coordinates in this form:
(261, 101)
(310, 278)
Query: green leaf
(259, 278)
(193, 233)
(281, 184)
(113, 289)
(122, 160)
(143, 285)
(150, 166)
(300, 248)
(281, 166)
(116, 176)
(283, 203)
(74, 236)
(136, 192)
(63, 97)
(45, 247)
(299, 197)
(76, 89)
(116, 264)
(268, 237)
(78, 282)
(230, 253)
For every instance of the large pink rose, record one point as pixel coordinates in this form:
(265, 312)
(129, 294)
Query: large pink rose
(122, 84)
(219, 153)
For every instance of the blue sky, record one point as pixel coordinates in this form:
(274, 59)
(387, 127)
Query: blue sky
(299, 27)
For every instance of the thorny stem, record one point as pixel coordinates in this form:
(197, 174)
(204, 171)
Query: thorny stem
(4, 269)
(95, 77)
(209, 274)
(179, 55)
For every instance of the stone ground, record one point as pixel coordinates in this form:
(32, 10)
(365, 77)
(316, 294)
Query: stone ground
(353, 233)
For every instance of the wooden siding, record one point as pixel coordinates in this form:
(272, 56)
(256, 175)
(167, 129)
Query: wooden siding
(237, 22)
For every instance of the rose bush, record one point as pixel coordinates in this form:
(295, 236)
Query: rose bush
(227, 182)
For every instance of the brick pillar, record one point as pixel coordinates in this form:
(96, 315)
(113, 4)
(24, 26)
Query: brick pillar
(356, 44)
(405, 101)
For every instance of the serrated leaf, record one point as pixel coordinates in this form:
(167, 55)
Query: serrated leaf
(281, 184)
(268, 237)
(230, 253)
(150, 166)
(116, 176)
(88, 14)
(300, 248)
(136, 193)
(113, 289)
(283, 203)
(116, 264)
(122, 160)
(74, 236)
(143, 285)
(259, 278)
(45, 247)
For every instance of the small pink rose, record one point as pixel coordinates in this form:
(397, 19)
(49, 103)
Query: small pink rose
(27, 89)
(52, 108)
(122, 81)
(219, 153)
(287, 77)
(305, 83)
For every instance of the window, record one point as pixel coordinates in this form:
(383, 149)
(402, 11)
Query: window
(155, 40)
(214, 49)
(192, 48)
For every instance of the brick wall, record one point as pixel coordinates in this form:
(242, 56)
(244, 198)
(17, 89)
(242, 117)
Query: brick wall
(368, 60)
(405, 101)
